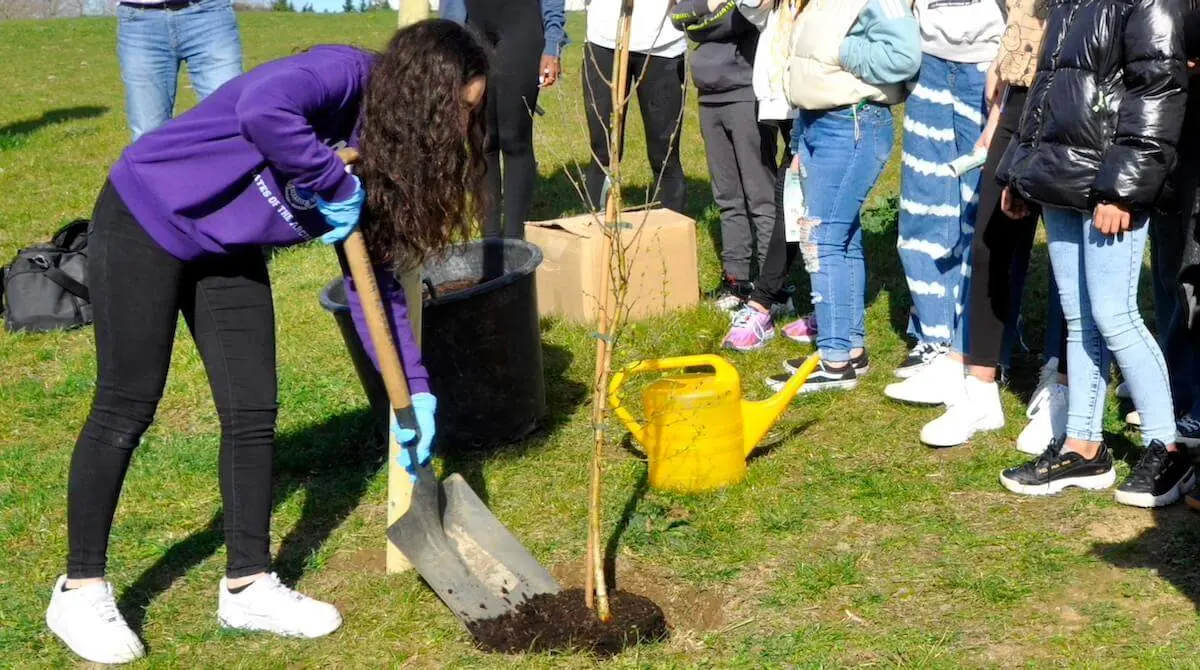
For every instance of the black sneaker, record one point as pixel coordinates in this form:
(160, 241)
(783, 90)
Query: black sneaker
(823, 378)
(1056, 470)
(919, 358)
(732, 294)
(861, 364)
(1159, 479)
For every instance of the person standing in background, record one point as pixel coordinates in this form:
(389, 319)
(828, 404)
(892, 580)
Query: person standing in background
(1000, 254)
(740, 150)
(155, 37)
(528, 37)
(943, 120)
(656, 72)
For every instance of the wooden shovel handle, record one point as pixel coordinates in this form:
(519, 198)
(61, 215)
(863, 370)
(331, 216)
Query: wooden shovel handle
(378, 325)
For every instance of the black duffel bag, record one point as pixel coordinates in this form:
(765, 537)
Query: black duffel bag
(45, 286)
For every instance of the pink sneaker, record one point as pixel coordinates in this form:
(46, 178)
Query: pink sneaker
(802, 330)
(751, 330)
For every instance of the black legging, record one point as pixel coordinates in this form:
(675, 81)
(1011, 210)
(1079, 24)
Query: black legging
(515, 30)
(1000, 254)
(138, 291)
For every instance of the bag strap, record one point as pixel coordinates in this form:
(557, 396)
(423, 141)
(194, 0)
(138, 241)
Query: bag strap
(69, 285)
(72, 236)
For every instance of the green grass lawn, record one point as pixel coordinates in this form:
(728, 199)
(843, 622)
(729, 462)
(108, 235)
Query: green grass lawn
(848, 544)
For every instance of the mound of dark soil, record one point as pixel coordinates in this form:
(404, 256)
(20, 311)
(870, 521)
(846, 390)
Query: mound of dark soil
(562, 621)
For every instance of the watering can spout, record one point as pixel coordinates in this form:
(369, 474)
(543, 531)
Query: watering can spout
(758, 417)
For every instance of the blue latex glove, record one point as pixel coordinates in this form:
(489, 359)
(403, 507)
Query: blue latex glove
(424, 406)
(342, 215)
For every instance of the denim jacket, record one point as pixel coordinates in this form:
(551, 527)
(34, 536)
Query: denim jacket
(554, 21)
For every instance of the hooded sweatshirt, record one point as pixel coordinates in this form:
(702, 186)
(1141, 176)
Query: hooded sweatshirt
(238, 171)
(961, 31)
(723, 60)
(653, 33)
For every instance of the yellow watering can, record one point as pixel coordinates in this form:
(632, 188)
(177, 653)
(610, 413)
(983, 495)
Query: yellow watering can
(699, 430)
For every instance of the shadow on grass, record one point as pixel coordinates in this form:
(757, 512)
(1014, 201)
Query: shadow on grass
(1169, 549)
(15, 134)
(333, 462)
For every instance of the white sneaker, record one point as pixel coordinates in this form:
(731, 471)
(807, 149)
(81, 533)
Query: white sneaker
(1134, 418)
(941, 381)
(267, 605)
(977, 411)
(1047, 377)
(1047, 420)
(86, 620)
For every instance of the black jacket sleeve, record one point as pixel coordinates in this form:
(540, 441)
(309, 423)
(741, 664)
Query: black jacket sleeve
(1143, 150)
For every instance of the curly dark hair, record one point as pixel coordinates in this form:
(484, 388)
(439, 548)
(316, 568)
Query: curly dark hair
(421, 169)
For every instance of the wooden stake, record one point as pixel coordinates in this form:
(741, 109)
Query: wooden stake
(411, 11)
(596, 592)
(399, 485)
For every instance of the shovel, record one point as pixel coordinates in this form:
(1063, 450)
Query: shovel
(463, 552)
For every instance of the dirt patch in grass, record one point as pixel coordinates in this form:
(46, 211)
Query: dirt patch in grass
(368, 561)
(562, 621)
(1120, 525)
(687, 607)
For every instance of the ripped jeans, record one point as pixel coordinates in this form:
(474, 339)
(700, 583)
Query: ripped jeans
(844, 152)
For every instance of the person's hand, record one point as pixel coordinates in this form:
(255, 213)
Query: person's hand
(1111, 219)
(425, 407)
(550, 70)
(342, 215)
(1012, 204)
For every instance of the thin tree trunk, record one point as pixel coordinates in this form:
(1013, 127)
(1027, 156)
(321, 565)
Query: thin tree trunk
(610, 312)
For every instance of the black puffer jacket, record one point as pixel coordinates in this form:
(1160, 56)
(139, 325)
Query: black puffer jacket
(1103, 116)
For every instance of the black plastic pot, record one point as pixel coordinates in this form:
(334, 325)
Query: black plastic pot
(482, 345)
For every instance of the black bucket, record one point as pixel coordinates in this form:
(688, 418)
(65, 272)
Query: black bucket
(482, 345)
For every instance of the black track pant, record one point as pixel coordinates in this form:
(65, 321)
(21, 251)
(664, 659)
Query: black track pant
(999, 253)
(771, 286)
(659, 85)
(514, 28)
(138, 291)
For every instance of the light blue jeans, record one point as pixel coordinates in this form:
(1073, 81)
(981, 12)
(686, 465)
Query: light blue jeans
(152, 43)
(844, 152)
(943, 120)
(1097, 279)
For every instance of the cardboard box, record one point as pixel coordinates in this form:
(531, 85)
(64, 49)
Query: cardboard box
(663, 274)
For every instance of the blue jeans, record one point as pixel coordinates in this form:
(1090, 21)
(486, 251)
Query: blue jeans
(844, 152)
(151, 44)
(943, 120)
(1097, 279)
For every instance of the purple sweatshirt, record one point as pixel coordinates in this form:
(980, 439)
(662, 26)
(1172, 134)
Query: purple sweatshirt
(231, 173)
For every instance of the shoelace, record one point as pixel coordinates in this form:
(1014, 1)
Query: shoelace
(1152, 460)
(1189, 424)
(104, 605)
(278, 589)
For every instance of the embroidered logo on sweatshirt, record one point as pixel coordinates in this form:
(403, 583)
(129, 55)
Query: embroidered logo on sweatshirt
(298, 198)
(281, 208)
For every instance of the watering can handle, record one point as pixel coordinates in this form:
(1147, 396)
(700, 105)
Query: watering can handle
(655, 365)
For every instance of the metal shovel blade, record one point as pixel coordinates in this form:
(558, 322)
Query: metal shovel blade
(469, 559)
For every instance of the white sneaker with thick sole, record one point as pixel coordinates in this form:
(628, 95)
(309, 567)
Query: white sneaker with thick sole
(978, 411)
(940, 382)
(86, 619)
(1047, 420)
(267, 605)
